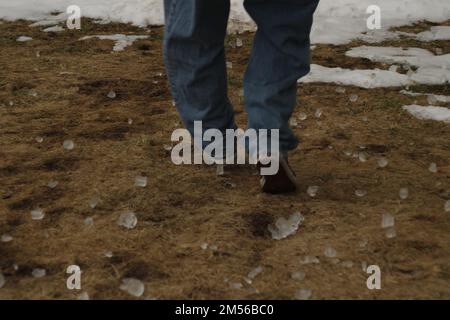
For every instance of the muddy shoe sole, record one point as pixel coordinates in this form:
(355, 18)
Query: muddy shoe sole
(282, 182)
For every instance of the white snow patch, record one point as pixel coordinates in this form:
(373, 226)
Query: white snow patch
(336, 21)
(122, 41)
(431, 69)
(394, 55)
(438, 98)
(54, 29)
(429, 112)
(375, 36)
(50, 20)
(435, 33)
(431, 76)
(24, 39)
(360, 78)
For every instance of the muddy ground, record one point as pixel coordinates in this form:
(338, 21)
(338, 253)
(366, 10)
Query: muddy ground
(55, 87)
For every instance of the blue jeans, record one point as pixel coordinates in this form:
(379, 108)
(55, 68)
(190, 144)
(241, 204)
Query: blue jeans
(194, 55)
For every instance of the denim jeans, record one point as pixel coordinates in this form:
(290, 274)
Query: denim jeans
(194, 55)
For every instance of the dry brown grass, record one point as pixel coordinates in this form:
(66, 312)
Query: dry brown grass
(183, 207)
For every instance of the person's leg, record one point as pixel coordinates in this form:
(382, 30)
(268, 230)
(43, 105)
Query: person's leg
(281, 55)
(194, 55)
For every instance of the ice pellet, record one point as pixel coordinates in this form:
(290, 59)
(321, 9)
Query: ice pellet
(364, 266)
(167, 147)
(133, 287)
(38, 272)
(83, 296)
(390, 233)
(387, 221)
(447, 206)
(140, 181)
(330, 252)
(283, 228)
(52, 184)
(433, 167)
(347, 264)
(111, 94)
(309, 260)
(360, 193)
(382, 162)
(127, 220)
(298, 275)
(312, 191)
(253, 273)
(236, 285)
(348, 153)
(403, 193)
(318, 113)
(93, 203)
(340, 90)
(353, 98)
(220, 170)
(362, 157)
(293, 122)
(37, 214)
(303, 294)
(89, 221)
(69, 145)
(6, 238)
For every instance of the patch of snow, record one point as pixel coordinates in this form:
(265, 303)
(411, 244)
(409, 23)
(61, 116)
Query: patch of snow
(24, 39)
(375, 36)
(435, 33)
(431, 76)
(394, 55)
(122, 41)
(375, 78)
(50, 20)
(54, 29)
(346, 18)
(429, 112)
(102, 21)
(438, 98)
(431, 69)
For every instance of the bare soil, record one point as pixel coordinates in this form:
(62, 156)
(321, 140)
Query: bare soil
(61, 93)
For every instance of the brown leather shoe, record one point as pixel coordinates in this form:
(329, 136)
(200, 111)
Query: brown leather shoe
(283, 181)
